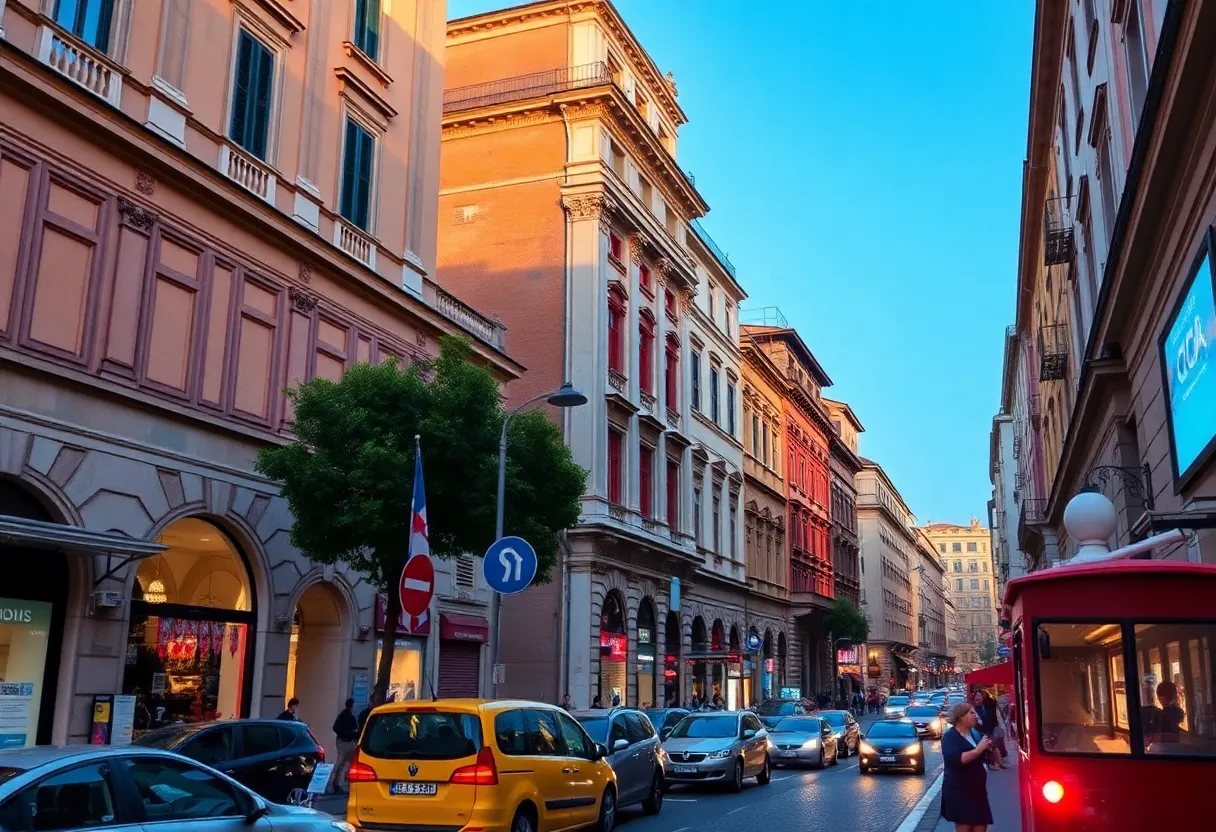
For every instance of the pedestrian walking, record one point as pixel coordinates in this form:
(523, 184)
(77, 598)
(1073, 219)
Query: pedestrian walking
(290, 713)
(346, 732)
(965, 782)
(566, 702)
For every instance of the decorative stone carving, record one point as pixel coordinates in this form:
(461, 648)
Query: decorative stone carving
(144, 183)
(134, 215)
(420, 339)
(587, 206)
(662, 267)
(301, 301)
(636, 243)
(305, 271)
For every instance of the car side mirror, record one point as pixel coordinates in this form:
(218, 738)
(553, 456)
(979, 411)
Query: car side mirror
(255, 810)
(748, 733)
(664, 734)
(599, 752)
(620, 744)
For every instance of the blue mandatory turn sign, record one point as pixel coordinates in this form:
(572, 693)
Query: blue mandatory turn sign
(509, 565)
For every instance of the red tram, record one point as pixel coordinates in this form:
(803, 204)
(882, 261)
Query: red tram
(1114, 665)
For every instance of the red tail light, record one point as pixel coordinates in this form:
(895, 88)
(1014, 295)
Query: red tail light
(320, 748)
(484, 772)
(361, 772)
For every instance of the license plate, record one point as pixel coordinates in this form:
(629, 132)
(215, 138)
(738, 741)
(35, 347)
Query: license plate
(890, 759)
(685, 769)
(400, 788)
(788, 753)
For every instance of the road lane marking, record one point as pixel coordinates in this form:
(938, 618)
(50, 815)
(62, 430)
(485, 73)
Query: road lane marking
(918, 811)
(740, 809)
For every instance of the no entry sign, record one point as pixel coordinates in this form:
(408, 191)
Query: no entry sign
(417, 585)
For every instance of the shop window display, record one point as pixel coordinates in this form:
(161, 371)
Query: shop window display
(188, 645)
(405, 678)
(24, 635)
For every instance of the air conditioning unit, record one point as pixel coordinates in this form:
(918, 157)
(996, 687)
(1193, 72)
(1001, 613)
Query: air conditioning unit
(107, 599)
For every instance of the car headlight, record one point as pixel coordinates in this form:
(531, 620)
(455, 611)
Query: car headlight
(720, 755)
(837, 734)
(811, 743)
(937, 725)
(913, 749)
(866, 748)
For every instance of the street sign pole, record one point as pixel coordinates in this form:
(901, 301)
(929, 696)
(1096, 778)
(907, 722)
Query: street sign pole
(496, 600)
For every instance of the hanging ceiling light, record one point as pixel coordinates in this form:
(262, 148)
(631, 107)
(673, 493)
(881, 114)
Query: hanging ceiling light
(155, 593)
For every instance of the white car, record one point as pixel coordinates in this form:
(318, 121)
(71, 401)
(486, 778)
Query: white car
(134, 789)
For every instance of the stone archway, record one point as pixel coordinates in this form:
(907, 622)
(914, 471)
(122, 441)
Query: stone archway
(318, 657)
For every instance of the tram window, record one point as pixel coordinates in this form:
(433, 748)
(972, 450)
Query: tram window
(1078, 695)
(1174, 668)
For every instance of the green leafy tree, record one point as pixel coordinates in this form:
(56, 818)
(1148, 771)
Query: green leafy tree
(988, 650)
(845, 621)
(349, 474)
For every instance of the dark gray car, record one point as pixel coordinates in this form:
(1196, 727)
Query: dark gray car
(634, 753)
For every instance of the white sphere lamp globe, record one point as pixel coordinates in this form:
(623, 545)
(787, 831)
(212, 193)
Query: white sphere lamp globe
(1090, 519)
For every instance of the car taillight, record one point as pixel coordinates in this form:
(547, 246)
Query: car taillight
(320, 748)
(484, 772)
(1053, 792)
(361, 772)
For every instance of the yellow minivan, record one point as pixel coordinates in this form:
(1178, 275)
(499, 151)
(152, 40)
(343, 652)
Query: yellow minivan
(479, 766)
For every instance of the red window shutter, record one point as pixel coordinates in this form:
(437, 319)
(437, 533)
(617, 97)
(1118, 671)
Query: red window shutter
(673, 494)
(614, 467)
(646, 482)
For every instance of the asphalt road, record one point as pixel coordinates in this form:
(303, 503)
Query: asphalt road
(838, 797)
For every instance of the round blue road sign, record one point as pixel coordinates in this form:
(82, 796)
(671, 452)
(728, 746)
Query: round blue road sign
(753, 642)
(509, 565)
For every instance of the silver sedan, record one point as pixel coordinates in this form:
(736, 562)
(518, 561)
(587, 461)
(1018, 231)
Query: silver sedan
(804, 740)
(719, 747)
(124, 788)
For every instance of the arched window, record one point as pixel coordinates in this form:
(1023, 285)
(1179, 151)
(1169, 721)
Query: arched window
(617, 302)
(646, 329)
(672, 371)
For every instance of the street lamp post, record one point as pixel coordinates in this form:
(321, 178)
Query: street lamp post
(564, 396)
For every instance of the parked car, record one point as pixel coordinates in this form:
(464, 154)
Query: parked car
(274, 757)
(892, 744)
(894, 709)
(468, 763)
(719, 746)
(775, 710)
(926, 719)
(122, 788)
(665, 719)
(951, 700)
(634, 752)
(845, 729)
(798, 740)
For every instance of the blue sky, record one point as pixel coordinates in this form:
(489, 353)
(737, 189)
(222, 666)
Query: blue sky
(864, 170)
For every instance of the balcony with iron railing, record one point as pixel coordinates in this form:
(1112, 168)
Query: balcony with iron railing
(490, 330)
(709, 243)
(1036, 410)
(1053, 352)
(1033, 516)
(1058, 235)
(523, 87)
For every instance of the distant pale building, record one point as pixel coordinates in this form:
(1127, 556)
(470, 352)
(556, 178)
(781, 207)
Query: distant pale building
(967, 554)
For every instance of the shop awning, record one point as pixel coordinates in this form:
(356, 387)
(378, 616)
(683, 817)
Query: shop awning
(905, 661)
(464, 628)
(995, 674)
(22, 531)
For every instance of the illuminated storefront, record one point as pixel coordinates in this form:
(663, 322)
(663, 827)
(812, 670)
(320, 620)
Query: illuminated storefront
(409, 648)
(614, 652)
(647, 678)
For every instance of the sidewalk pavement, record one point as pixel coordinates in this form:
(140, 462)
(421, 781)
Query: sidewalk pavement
(1003, 797)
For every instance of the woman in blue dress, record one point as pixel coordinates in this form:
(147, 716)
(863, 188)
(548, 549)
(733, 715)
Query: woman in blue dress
(965, 785)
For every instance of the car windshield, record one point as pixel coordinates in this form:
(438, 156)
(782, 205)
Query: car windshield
(937, 697)
(165, 738)
(898, 700)
(797, 725)
(922, 710)
(422, 735)
(776, 709)
(706, 727)
(596, 727)
(836, 720)
(891, 730)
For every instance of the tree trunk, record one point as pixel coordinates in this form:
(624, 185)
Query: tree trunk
(388, 642)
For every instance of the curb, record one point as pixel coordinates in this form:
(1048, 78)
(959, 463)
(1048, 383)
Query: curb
(927, 812)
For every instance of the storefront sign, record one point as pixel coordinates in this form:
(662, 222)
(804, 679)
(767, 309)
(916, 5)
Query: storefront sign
(644, 635)
(674, 592)
(360, 689)
(614, 646)
(1190, 377)
(671, 666)
(847, 655)
(464, 628)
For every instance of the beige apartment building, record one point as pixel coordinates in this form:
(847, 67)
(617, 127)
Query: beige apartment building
(202, 203)
(966, 553)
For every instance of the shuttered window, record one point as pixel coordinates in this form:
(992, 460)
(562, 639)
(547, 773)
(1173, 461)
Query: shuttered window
(357, 162)
(459, 670)
(367, 27)
(251, 95)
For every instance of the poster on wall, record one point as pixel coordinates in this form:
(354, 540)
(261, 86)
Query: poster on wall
(25, 633)
(1186, 361)
(360, 689)
(103, 719)
(122, 720)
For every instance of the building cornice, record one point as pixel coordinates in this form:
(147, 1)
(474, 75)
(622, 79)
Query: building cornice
(547, 12)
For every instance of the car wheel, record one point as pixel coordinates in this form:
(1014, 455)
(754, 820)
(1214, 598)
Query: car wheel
(836, 756)
(846, 749)
(823, 760)
(766, 773)
(736, 783)
(607, 812)
(523, 822)
(653, 803)
(920, 767)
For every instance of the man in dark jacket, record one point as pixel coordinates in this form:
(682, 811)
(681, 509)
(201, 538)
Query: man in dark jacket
(290, 713)
(346, 732)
